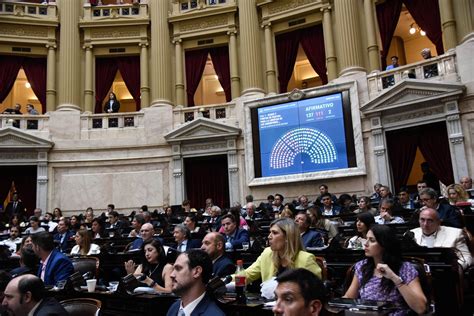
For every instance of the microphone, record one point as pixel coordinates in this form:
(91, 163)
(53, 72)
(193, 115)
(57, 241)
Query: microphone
(216, 286)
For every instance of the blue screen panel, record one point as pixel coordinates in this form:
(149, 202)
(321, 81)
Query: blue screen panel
(302, 136)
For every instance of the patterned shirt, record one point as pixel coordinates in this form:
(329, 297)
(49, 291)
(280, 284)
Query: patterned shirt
(372, 289)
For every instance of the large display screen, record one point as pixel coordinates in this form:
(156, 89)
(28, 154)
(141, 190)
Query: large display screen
(303, 136)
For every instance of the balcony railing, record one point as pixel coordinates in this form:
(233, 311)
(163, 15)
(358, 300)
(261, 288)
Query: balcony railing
(134, 10)
(111, 121)
(31, 10)
(185, 6)
(440, 68)
(222, 112)
(25, 122)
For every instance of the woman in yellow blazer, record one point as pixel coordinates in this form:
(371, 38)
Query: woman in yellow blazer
(286, 251)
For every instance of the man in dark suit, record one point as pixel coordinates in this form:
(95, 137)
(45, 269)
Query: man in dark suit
(25, 295)
(214, 244)
(182, 237)
(114, 223)
(310, 237)
(234, 236)
(63, 235)
(14, 207)
(54, 266)
(191, 272)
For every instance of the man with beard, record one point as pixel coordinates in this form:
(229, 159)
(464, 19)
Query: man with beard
(191, 272)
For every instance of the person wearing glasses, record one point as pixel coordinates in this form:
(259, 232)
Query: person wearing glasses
(448, 215)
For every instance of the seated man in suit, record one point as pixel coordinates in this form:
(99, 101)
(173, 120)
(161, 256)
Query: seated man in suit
(234, 235)
(63, 235)
(328, 208)
(146, 233)
(115, 223)
(214, 244)
(432, 234)
(448, 215)
(25, 295)
(404, 199)
(251, 212)
(182, 237)
(54, 266)
(191, 272)
(310, 237)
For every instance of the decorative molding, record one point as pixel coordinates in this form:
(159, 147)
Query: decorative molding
(379, 152)
(114, 33)
(202, 23)
(422, 114)
(23, 31)
(283, 6)
(456, 140)
(204, 147)
(233, 169)
(19, 156)
(454, 117)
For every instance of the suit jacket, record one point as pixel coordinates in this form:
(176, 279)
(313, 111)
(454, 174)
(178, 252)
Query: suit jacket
(312, 238)
(63, 246)
(115, 106)
(50, 307)
(449, 237)
(449, 215)
(10, 210)
(58, 268)
(240, 236)
(336, 209)
(264, 269)
(191, 244)
(206, 307)
(223, 267)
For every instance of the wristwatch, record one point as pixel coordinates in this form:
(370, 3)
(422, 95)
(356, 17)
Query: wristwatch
(399, 282)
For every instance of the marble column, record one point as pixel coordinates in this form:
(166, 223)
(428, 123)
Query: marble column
(42, 181)
(252, 81)
(372, 47)
(160, 66)
(88, 86)
(69, 94)
(349, 38)
(448, 24)
(464, 20)
(272, 87)
(51, 78)
(178, 178)
(233, 172)
(234, 64)
(456, 140)
(179, 86)
(144, 84)
(331, 60)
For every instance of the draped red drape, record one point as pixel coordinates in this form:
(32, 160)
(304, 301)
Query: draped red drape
(105, 71)
(195, 61)
(401, 145)
(35, 70)
(426, 15)
(286, 50)
(9, 67)
(207, 177)
(220, 60)
(312, 41)
(130, 69)
(434, 145)
(388, 14)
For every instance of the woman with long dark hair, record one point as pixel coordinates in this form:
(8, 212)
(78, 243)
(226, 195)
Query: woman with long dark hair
(154, 271)
(112, 105)
(363, 223)
(383, 276)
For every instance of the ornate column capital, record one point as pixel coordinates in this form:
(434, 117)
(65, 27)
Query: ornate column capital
(143, 44)
(87, 46)
(266, 24)
(326, 9)
(51, 46)
(176, 40)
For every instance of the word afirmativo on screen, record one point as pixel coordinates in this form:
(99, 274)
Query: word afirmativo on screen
(302, 136)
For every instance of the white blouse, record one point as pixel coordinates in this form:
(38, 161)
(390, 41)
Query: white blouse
(94, 250)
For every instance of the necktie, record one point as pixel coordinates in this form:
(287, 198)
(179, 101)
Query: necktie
(43, 270)
(14, 205)
(181, 312)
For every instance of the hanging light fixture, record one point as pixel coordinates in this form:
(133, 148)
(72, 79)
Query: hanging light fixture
(422, 33)
(27, 85)
(412, 29)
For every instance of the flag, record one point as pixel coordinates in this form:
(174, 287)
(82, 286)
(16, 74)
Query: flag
(9, 195)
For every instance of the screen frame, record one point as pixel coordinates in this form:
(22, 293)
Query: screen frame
(349, 92)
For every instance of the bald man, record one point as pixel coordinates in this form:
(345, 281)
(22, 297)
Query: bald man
(147, 231)
(431, 234)
(214, 244)
(25, 295)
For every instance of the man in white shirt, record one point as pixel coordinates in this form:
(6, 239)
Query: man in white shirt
(14, 239)
(432, 234)
(48, 220)
(191, 272)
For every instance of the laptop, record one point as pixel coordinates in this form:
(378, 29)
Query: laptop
(347, 303)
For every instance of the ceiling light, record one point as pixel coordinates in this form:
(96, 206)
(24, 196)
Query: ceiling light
(27, 85)
(412, 29)
(422, 33)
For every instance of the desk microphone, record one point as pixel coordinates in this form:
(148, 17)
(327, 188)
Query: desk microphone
(216, 285)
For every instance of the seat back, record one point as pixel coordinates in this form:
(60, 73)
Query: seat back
(86, 264)
(82, 306)
(321, 262)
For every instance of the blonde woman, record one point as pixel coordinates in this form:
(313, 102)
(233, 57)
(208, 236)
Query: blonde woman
(286, 251)
(84, 245)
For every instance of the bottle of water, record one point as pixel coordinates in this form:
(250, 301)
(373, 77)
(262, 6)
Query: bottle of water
(240, 282)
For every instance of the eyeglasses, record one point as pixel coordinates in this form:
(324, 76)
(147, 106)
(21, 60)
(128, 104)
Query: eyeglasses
(426, 200)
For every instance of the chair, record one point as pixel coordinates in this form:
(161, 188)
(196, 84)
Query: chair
(85, 264)
(321, 262)
(82, 306)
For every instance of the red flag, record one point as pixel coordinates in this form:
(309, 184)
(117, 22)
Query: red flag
(9, 195)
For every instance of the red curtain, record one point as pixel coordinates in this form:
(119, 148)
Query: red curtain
(434, 145)
(286, 51)
(35, 70)
(105, 71)
(195, 61)
(312, 41)
(220, 60)
(401, 145)
(130, 69)
(207, 177)
(388, 14)
(426, 15)
(9, 65)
